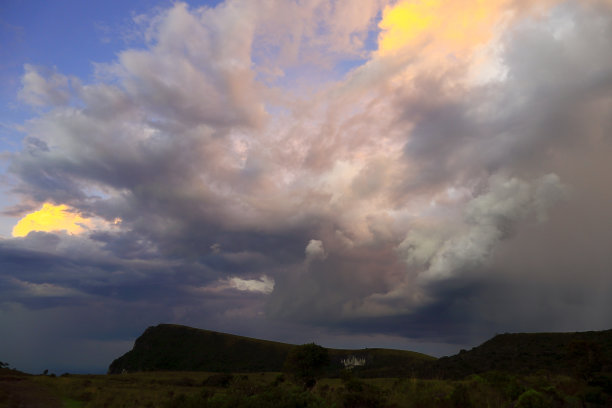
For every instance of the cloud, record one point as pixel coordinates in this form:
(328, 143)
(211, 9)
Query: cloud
(314, 250)
(488, 218)
(58, 218)
(457, 159)
(263, 285)
(43, 289)
(44, 87)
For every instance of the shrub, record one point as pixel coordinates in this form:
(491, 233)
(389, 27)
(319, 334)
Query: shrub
(360, 394)
(603, 381)
(593, 395)
(306, 363)
(460, 397)
(531, 399)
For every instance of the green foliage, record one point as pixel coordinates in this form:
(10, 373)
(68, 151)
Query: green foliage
(460, 397)
(358, 393)
(188, 390)
(70, 403)
(532, 399)
(306, 363)
(268, 397)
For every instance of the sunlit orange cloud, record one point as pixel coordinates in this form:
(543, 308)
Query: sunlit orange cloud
(51, 218)
(453, 26)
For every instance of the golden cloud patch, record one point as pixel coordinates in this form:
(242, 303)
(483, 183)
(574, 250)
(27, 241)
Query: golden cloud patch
(51, 218)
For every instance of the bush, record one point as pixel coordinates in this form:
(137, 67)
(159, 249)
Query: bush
(360, 394)
(593, 395)
(603, 381)
(306, 363)
(460, 397)
(531, 399)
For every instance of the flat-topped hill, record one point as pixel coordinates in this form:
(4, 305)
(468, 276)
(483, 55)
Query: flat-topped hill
(173, 347)
(170, 347)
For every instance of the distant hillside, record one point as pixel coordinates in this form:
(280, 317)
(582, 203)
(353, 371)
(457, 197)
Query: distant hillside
(173, 347)
(181, 348)
(168, 347)
(521, 353)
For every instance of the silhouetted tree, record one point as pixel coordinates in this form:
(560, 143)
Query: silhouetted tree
(306, 363)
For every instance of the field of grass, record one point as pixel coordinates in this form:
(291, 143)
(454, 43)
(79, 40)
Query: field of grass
(270, 390)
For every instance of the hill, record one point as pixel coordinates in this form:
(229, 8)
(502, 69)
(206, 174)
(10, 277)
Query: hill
(576, 354)
(181, 348)
(170, 347)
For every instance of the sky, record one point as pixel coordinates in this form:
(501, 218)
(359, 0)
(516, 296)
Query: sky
(414, 174)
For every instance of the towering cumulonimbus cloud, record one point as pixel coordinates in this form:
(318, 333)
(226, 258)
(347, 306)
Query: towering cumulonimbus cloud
(402, 168)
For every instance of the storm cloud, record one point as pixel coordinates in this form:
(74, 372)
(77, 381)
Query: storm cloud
(314, 171)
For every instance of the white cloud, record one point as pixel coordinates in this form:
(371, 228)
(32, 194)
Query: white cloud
(264, 284)
(44, 87)
(44, 289)
(488, 218)
(314, 250)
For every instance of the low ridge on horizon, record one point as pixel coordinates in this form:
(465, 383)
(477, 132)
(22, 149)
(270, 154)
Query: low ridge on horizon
(173, 347)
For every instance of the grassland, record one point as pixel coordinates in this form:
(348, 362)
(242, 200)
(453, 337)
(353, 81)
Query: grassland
(270, 390)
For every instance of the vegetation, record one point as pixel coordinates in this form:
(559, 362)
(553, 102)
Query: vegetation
(255, 390)
(306, 364)
(180, 348)
(581, 354)
(519, 371)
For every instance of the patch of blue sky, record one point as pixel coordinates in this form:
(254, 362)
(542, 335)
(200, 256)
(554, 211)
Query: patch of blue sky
(68, 36)
(370, 46)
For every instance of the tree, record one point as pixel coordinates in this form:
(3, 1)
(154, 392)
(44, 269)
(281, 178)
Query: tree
(306, 363)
